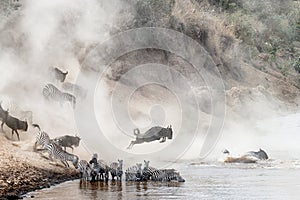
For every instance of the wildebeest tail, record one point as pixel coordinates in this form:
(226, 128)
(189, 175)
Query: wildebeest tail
(36, 126)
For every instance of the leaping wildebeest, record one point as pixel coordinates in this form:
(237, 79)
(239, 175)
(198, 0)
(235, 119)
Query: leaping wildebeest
(154, 133)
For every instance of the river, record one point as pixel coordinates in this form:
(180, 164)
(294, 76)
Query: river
(203, 181)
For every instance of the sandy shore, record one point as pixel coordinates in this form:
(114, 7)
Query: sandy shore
(22, 170)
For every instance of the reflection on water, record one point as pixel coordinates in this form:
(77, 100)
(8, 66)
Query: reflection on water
(223, 181)
(125, 190)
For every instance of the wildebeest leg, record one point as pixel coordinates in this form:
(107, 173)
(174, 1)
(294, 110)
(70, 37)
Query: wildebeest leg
(12, 133)
(65, 148)
(163, 140)
(2, 126)
(72, 149)
(131, 144)
(18, 135)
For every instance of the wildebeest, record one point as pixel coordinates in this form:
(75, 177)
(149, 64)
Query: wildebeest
(58, 74)
(249, 157)
(154, 133)
(67, 141)
(3, 115)
(261, 154)
(15, 125)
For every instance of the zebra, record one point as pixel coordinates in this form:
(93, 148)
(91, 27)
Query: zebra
(42, 138)
(134, 173)
(53, 93)
(84, 169)
(147, 171)
(116, 170)
(55, 151)
(95, 167)
(166, 175)
(104, 170)
(171, 175)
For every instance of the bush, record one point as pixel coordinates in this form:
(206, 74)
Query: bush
(296, 64)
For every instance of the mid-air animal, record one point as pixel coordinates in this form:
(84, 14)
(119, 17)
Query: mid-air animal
(154, 133)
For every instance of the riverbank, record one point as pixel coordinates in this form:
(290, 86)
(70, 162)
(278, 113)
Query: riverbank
(22, 170)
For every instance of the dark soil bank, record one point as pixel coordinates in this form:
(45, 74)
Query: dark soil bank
(23, 177)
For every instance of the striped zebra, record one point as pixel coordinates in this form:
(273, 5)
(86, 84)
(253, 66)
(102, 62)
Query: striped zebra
(166, 175)
(95, 167)
(55, 151)
(41, 138)
(134, 173)
(104, 170)
(84, 169)
(116, 170)
(147, 171)
(53, 93)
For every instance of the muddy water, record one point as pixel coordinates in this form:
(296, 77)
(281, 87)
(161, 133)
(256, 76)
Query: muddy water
(219, 181)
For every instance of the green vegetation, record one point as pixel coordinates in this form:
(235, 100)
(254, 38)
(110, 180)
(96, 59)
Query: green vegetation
(270, 26)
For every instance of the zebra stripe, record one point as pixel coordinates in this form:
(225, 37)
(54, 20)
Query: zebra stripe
(134, 173)
(147, 171)
(42, 139)
(116, 170)
(53, 93)
(95, 167)
(85, 169)
(55, 151)
(104, 170)
(166, 175)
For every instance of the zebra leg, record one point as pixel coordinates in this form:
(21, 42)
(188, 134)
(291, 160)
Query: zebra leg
(34, 147)
(50, 155)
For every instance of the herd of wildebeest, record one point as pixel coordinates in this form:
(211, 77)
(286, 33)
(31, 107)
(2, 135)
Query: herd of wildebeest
(96, 169)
